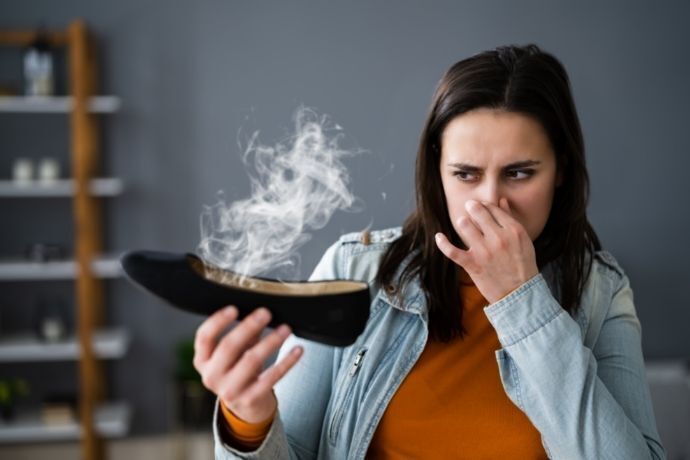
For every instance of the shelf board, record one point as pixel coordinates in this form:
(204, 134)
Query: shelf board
(112, 420)
(107, 344)
(56, 104)
(103, 187)
(23, 270)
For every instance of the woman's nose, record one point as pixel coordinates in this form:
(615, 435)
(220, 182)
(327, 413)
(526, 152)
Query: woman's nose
(489, 192)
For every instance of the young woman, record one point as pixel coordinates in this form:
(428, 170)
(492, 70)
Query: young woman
(498, 329)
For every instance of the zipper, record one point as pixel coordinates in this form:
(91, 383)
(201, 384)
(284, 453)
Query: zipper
(363, 444)
(358, 361)
(337, 417)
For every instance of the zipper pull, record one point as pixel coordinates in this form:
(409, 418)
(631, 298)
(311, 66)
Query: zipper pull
(358, 362)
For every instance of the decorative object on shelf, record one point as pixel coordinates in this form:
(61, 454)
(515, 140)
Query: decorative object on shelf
(331, 312)
(52, 329)
(38, 68)
(22, 171)
(59, 409)
(51, 325)
(10, 390)
(48, 170)
(44, 252)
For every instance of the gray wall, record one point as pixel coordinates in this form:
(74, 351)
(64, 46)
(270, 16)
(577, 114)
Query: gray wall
(194, 74)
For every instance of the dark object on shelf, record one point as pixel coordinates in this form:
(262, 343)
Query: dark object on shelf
(10, 391)
(195, 405)
(194, 402)
(44, 252)
(331, 312)
(7, 89)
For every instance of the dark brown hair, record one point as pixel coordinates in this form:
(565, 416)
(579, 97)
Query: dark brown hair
(524, 80)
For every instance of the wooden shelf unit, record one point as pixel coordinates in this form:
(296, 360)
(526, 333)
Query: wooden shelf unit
(82, 105)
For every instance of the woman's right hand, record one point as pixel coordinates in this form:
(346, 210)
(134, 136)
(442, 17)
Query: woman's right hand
(231, 365)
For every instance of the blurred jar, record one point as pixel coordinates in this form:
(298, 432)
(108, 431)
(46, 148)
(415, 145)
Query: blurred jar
(48, 170)
(38, 68)
(22, 170)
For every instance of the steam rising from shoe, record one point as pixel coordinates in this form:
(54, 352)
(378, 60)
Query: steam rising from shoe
(296, 186)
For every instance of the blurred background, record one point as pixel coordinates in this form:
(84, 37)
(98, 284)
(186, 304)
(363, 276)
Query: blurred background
(185, 82)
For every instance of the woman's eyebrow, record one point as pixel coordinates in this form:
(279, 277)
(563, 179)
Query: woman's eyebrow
(465, 167)
(522, 164)
(473, 168)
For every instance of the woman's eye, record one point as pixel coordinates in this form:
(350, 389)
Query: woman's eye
(520, 173)
(463, 175)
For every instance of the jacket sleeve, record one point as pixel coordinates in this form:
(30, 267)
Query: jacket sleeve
(586, 403)
(303, 394)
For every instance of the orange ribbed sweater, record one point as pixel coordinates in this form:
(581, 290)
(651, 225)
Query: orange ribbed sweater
(451, 405)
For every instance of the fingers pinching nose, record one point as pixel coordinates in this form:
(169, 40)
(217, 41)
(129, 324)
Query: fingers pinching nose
(471, 205)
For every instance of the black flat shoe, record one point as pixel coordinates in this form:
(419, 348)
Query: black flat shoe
(330, 312)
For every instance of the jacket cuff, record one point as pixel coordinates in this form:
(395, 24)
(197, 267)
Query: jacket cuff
(523, 311)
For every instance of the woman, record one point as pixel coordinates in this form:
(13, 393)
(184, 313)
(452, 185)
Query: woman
(498, 329)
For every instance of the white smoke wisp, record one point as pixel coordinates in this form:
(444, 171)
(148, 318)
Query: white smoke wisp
(296, 187)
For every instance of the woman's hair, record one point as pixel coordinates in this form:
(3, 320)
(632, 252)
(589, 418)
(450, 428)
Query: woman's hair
(517, 79)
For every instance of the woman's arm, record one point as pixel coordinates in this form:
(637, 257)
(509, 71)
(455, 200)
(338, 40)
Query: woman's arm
(303, 393)
(585, 403)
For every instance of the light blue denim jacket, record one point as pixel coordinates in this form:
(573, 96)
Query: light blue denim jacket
(580, 380)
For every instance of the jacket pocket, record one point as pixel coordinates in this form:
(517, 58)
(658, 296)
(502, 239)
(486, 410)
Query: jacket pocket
(339, 412)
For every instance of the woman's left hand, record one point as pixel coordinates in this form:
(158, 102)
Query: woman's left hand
(501, 255)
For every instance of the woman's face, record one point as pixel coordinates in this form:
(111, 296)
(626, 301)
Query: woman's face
(487, 154)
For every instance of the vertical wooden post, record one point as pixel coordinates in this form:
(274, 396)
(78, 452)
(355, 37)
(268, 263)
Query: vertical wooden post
(87, 239)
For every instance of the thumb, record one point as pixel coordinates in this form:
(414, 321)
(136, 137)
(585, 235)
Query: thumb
(457, 255)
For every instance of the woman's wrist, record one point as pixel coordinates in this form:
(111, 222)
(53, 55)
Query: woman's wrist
(255, 418)
(243, 434)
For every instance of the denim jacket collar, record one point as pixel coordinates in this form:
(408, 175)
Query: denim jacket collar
(412, 300)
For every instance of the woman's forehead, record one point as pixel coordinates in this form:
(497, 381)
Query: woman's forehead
(492, 136)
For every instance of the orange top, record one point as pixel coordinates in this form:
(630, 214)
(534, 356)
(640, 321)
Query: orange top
(451, 405)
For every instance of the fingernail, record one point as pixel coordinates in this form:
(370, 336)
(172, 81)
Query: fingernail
(262, 314)
(230, 311)
(438, 237)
